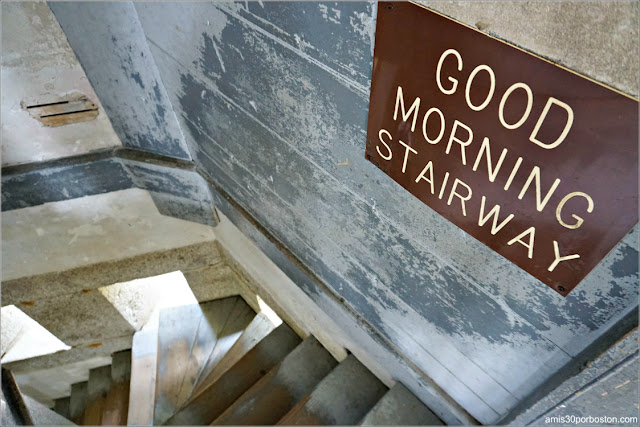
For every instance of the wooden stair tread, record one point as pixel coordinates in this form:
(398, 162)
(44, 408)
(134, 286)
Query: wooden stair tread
(177, 329)
(213, 316)
(232, 329)
(259, 327)
(97, 389)
(77, 401)
(117, 400)
(282, 388)
(144, 352)
(190, 343)
(400, 407)
(342, 398)
(213, 400)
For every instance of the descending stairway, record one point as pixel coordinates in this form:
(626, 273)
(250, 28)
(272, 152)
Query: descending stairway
(220, 363)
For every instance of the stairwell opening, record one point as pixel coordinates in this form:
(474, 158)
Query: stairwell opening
(140, 301)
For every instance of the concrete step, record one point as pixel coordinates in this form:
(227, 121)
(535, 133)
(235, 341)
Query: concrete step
(43, 416)
(144, 353)
(342, 398)
(97, 389)
(117, 401)
(7, 417)
(258, 329)
(177, 330)
(282, 388)
(213, 400)
(78, 401)
(61, 406)
(232, 328)
(14, 409)
(400, 407)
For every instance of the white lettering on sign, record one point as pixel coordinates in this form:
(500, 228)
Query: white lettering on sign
(502, 166)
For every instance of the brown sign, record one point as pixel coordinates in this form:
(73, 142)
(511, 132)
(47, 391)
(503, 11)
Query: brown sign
(538, 163)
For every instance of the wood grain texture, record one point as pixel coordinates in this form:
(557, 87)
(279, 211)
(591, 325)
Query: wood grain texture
(177, 330)
(144, 352)
(257, 330)
(213, 316)
(228, 334)
(213, 400)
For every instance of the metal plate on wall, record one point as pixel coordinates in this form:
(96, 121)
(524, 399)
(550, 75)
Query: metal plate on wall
(533, 160)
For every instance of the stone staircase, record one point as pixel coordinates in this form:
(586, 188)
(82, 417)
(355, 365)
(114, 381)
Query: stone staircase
(220, 363)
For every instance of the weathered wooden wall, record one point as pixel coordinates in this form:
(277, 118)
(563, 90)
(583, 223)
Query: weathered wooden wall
(272, 100)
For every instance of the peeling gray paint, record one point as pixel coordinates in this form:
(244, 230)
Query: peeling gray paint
(495, 309)
(273, 103)
(62, 183)
(176, 192)
(123, 74)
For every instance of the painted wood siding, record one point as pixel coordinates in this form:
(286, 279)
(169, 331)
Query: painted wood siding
(272, 99)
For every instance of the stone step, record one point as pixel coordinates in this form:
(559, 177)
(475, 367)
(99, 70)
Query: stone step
(142, 390)
(213, 400)
(97, 389)
(342, 398)
(117, 401)
(62, 406)
(78, 401)
(282, 388)
(14, 409)
(400, 407)
(43, 416)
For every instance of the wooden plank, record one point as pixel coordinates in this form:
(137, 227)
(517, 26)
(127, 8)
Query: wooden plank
(144, 351)
(117, 401)
(97, 389)
(78, 401)
(178, 328)
(212, 401)
(282, 388)
(257, 330)
(214, 315)
(233, 327)
(67, 119)
(342, 398)
(400, 407)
